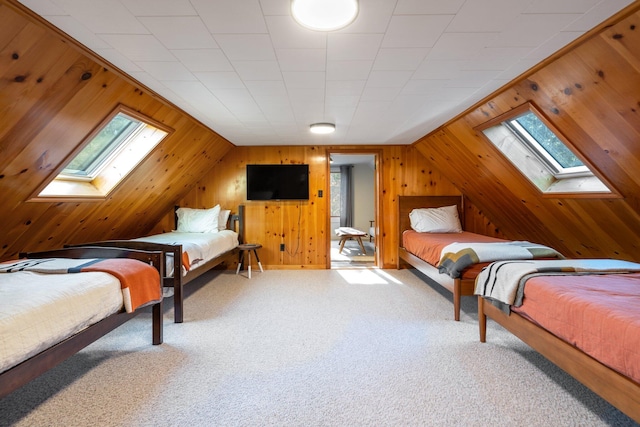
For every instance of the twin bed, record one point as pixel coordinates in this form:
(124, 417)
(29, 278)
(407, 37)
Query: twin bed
(55, 303)
(203, 239)
(433, 242)
(582, 315)
(591, 328)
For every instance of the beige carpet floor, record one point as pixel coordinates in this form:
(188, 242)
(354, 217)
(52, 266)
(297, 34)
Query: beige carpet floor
(356, 347)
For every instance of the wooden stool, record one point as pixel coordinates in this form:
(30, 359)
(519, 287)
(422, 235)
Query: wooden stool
(247, 248)
(347, 233)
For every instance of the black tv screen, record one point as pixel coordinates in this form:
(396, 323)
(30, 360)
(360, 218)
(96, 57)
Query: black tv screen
(277, 182)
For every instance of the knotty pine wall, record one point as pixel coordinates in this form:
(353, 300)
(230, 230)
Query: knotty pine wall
(52, 94)
(592, 95)
(403, 171)
(591, 92)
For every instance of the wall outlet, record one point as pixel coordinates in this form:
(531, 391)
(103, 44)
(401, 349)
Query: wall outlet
(281, 247)
(319, 193)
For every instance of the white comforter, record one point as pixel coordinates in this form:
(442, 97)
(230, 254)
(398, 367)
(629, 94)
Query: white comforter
(40, 310)
(201, 247)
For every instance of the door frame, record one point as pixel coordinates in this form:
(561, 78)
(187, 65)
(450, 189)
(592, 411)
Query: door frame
(377, 206)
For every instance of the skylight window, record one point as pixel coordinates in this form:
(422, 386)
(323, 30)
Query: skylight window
(88, 162)
(545, 144)
(105, 157)
(542, 153)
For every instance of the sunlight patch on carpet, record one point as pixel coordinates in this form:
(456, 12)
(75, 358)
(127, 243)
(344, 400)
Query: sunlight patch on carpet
(363, 277)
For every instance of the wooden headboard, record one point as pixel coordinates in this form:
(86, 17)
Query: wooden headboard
(407, 203)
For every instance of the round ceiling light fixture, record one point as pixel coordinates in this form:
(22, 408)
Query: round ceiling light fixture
(324, 15)
(322, 128)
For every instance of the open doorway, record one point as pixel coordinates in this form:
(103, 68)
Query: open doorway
(353, 209)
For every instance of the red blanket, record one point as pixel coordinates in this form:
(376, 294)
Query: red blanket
(599, 314)
(428, 246)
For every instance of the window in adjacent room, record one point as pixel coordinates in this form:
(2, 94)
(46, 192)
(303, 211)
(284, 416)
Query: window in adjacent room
(542, 153)
(334, 191)
(106, 156)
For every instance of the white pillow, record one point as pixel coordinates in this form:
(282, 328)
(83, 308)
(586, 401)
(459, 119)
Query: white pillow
(436, 220)
(198, 220)
(223, 219)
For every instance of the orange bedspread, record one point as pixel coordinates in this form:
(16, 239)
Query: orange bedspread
(140, 283)
(599, 314)
(428, 246)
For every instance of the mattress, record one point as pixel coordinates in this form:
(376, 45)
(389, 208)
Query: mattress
(199, 247)
(39, 310)
(599, 314)
(428, 246)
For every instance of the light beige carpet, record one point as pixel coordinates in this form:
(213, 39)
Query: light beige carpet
(309, 348)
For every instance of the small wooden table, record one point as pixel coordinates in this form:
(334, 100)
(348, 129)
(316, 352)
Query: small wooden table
(347, 233)
(246, 248)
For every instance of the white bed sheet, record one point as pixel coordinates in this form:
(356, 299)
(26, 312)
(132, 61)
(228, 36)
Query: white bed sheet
(40, 310)
(201, 247)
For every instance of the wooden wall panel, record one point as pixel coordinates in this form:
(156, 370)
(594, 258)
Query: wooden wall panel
(592, 95)
(590, 92)
(403, 171)
(53, 93)
(299, 225)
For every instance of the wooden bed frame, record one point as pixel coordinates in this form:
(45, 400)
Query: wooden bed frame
(458, 287)
(620, 391)
(35, 366)
(177, 280)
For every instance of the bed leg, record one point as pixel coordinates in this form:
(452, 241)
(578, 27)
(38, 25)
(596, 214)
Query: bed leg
(457, 295)
(157, 323)
(178, 298)
(176, 281)
(482, 320)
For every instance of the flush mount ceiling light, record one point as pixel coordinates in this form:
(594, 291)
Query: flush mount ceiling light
(324, 15)
(322, 128)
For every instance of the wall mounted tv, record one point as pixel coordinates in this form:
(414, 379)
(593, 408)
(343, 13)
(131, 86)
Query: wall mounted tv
(277, 182)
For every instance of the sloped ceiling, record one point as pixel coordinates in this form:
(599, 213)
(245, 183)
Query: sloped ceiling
(47, 105)
(248, 71)
(51, 97)
(592, 95)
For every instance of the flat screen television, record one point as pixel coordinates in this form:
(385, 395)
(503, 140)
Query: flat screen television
(277, 182)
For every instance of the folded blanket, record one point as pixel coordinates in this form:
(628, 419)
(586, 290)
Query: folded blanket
(140, 282)
(455, 257)
(503, 281)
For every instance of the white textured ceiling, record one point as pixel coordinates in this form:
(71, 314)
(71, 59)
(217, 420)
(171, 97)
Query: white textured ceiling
(248, 71)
